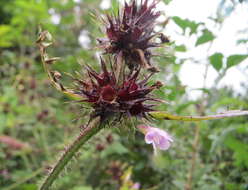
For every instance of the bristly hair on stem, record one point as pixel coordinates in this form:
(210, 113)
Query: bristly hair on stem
(93, 127)
(130, 33)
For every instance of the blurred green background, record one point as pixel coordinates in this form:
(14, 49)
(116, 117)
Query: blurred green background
(37, 122)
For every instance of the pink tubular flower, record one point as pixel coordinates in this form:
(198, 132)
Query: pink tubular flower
(157, 137)
(136, 186)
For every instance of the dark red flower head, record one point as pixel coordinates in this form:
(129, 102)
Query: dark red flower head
(107, 97)
(130, 33)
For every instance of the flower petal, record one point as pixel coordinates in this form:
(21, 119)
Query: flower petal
(149, 137)
(164, 144)
(159, 138)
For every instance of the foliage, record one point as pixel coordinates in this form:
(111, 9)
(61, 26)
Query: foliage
(39, 121)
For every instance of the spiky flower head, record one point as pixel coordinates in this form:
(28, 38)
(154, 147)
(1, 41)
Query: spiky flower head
(109, 98)
(130, 33)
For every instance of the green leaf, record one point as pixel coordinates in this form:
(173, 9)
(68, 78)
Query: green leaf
(28, 187)
(5, 36)
(205, 37)
(240, 150)
(242, 41)
(185, 23)
(180, 48)
(167, 1)
(219, 139)
(235, 59)
(216, 60)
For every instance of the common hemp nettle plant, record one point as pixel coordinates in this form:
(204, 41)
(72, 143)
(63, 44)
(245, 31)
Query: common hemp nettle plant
(122, 90)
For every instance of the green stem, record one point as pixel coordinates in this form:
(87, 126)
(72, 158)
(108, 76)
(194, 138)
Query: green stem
(168, 116)
(93, 128)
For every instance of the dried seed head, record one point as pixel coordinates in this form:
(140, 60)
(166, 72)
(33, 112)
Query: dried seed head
(131, 33)
(107, 97)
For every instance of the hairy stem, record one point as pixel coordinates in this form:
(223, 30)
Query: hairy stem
(93, 128)
(168, 116)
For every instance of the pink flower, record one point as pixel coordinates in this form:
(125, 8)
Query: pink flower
(136, 186)
(157, 137)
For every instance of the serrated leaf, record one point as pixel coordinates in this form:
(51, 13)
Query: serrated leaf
(235, 59)
(207, 36)
(216, 60)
